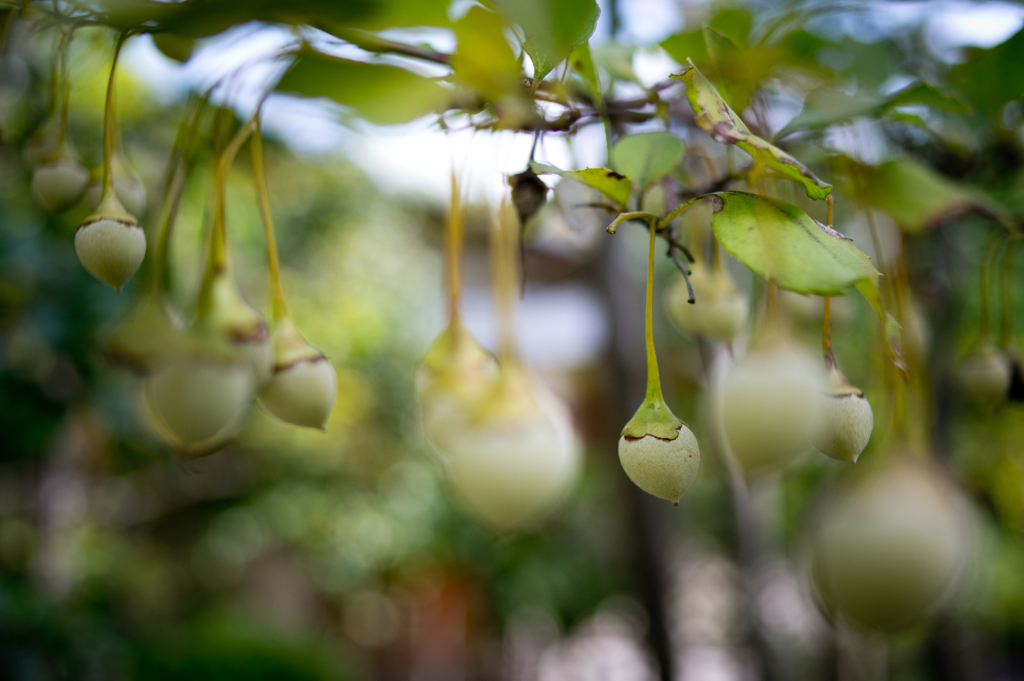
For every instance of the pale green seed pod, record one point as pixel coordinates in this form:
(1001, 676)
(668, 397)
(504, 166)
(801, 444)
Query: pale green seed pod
(456, 374)
(199, 402)
(846, 421)
(891, 547)
(111, 244)
(228, 317)
(657, 450)
(147, 336)
(58, 183)
(769, 406)
(664, 468)
(304, 386)
(719, 309)
(518, 457)
(986, 376)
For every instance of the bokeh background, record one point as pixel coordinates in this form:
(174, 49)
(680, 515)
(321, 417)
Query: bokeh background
(340, 555)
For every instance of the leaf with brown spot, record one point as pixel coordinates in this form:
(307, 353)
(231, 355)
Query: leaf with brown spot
(715, 116)
(610, 183)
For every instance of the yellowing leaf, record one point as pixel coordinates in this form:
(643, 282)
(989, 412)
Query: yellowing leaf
(718, 118)
(377, 92)
(610, 183)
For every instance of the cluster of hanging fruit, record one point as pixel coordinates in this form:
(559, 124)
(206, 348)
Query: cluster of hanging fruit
(506, 442)
(888, 547)
(990, 374)
(200, 378)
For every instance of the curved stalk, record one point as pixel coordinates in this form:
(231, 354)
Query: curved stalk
(108, 143)
(985, 321)
(504, 266)
(653, 377)
(826, 334)
(63, 89)
(219, 260)
(279, 306)
(170, 198)
(1006, 294)
(453, 235)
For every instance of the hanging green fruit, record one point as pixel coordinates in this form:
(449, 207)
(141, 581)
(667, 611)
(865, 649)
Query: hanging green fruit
(658, 451)
(303, 385)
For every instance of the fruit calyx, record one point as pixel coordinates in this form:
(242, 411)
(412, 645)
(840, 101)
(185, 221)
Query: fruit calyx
(223, 308)
(290, 348)
(653, 419)
(111, 209)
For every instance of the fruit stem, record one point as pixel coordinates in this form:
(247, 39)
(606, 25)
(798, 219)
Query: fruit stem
(653, 378)
(1006, 294)
(219, 255)
(63, 90)
(831, 202)
(504, 265)
(279, 305)
(677, 211)
(826, 335)
(453, 252)
(108, 180)
(985, 322)
(173, 189)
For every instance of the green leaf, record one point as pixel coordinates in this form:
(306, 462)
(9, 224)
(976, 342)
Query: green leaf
(830, 105)
(991, 78)
(483, 58)
(929, 95)
(783, 243)
(647, 157)
(610, 183)
(583, 64)
(616, 60)
(917, 197)
(552, 28)
(378, 92)
(718, 118)
(199, 18)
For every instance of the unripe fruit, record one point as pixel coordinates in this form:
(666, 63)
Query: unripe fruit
(456, 374)
(130, 190)
(229, 318)
(659, 452)
(58, 182)
(770, 404)
(147, 336)
(719, 309)
(513, 463)
(198, 402)
(846, 421)
(304, 386)
(43, 142)
(986, 376)
(110, 244)
(176, 47)
(890, 547)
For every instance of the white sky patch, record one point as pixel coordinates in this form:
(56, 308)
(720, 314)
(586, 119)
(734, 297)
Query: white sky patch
(960, 24)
